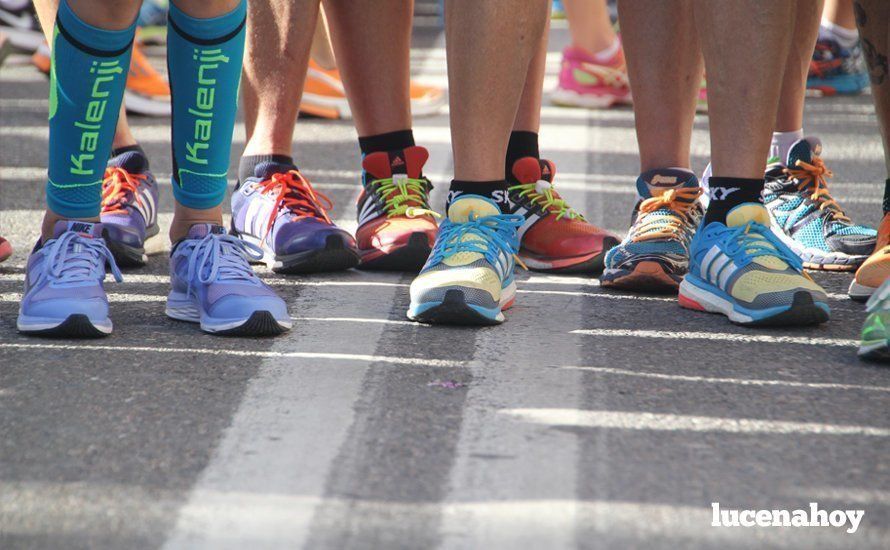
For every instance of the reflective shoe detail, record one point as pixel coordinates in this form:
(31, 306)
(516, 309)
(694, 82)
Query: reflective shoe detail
(586, 82)
(654, 255)
(876, 268)
(129, 207)
(744, 271)
(280, 212)
(875, 341)
(807, 218)
(396, 229)
(214, 285)
(468, 279)
(554, 237)
(835, 69)
(63, 295)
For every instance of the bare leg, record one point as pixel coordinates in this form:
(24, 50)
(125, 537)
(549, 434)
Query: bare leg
(873, 20)
(665, 75)
(528, 117)
(493, 43)
(322, 50)
(794, 83)
(840, 12)
(589, 24)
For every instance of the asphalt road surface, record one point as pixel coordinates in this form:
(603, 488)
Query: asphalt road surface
(590, 419)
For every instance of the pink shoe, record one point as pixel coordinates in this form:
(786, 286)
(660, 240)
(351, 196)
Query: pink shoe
(585, 81)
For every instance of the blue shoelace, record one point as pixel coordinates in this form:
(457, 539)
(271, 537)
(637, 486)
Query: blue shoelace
(73, 258)
(221, 258)
(498, 235)
(746, 242)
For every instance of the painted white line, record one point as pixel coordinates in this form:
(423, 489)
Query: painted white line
(115, 297)
(722, 336)
(732, 381)
(359, 320)
(634, 297)
(141, 278)
(245, 353)
(621, 420)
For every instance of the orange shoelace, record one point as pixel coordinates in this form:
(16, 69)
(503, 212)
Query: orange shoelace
(295, 194)
(813, 175)
(115, 186)
(679, 201)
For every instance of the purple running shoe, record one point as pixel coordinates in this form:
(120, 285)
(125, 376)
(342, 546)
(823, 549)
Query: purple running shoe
(129, 206)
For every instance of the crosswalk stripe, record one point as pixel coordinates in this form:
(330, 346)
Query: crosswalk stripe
(719, 336)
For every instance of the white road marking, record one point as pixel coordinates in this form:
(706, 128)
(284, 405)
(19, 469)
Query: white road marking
(722, 336)
(733, 381)
(622, 420)
(637, 298)
(359, 320)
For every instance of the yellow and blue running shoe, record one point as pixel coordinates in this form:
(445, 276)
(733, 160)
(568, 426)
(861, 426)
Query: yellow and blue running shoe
(875, 341)
(468, 278)
(744, 271)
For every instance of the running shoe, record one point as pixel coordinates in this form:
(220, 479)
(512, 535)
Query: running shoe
(18, 21)
(64, 296)
(807, 218)
(214, 285)
(585, 81)
(396, 230)
(744, 271)
(876, 268)
(468, 279)
(324, 95)
(147, 92)
(129, 206)
(875, 341)
(654, 256)
(5, 249)
(554, 237)
(835, 69)
(279, 212)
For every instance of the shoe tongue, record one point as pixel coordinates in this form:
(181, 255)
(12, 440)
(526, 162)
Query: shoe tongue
(91, 230)
(201, 230)
(532, 170)
(804, 150)
(462, 208)
(133, 161)
(265, 170)
(656, 182)
(747, 212)
(408, 161)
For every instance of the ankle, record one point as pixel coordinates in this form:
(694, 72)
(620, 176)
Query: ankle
(184, 218)
(50, 218)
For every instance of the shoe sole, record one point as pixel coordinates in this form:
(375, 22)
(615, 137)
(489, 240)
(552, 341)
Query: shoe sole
(860, 293)
(569, 98)
(803, 311)
(816, 259)
(454, 310)
(259, 323)
(409, 257)
(131, 256)
(591, 264)
(645, 277)
(874, 351)
(141, 105)
(76, 325)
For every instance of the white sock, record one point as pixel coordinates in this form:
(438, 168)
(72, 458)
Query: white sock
(604, 56)
(844, 36)
(782, 142)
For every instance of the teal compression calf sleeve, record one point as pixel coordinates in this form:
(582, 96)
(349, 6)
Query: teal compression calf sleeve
(204, 64)
(87, 79)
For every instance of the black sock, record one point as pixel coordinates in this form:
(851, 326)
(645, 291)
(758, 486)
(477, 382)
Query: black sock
(127, 149)
(494, 190)
(248, 164)
(887, 196)
(390, 141)
(727, 193)
(522, 144)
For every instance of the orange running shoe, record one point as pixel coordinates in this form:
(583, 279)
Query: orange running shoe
(324, 95)
(147, 92)
(876, 269)
(396, 228)
(554, 238)
(5, 249)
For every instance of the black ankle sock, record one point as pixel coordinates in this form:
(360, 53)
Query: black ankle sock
(127, 149)
(390, 141)
(248, 164)
(522, 144)
(727, 193)
(494, 190)
(887, 196)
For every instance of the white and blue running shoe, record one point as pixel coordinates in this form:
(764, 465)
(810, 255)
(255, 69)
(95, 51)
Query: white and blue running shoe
(468, 278)
(64, 296)
(214, 285)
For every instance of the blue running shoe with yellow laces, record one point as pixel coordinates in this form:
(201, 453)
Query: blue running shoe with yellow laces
(742, 270)
(807, 218)
(468, 278)
(63, 294)
(655, 254)
(875, 341)
(214, 285)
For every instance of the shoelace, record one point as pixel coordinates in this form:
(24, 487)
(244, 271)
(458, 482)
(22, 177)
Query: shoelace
(72, 258)
(401, 194)
(615, 77)
(547, 199)
(226, 257)
(677, 201)
(294, 193)
(115, 187)
(814, 174)
(753, 240)
(498, 230)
